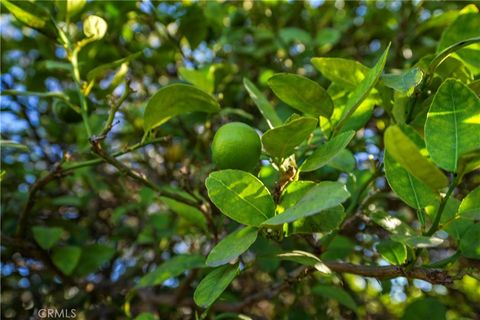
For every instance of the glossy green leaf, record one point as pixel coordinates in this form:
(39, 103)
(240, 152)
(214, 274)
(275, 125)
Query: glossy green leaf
(408, 188)
(470, 206)
(336, 293)
(470, 242)
(326, 152)
(359, 117)
(425, 308)
(305, 258)
(240, 196)
(171, 268)
(69, 8)
(293, 193)
(324, 195)
(403, 82)
(29, 13)
(203, 79)
(302, 94)
(47, 237)
(191, 214)
(417, 241)
(392, 224)
(282, 140)
(66, 258)
(213, 285)
(363, 89)
(465, 26)
(176, 99)
(344, 72)
(266, 109)
(102, 70)
(93, 257)
(398, 144)
(232, 246)
(392, 251)
(343, 161)
(328, 220)
(453, 124)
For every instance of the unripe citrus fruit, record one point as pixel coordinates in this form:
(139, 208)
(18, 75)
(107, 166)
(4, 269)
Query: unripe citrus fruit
(236, 146)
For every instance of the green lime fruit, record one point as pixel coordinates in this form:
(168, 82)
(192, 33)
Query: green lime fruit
(236, 146)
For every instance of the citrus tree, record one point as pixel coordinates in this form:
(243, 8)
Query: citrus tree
(263, 160)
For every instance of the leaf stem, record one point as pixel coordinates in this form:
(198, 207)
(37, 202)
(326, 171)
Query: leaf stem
(441, 208)
(73, 57)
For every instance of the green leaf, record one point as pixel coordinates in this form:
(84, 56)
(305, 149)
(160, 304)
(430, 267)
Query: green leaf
(30, 14)
(12, 144)
(176, 99)
(343, 161)
(295, 34)
(464, 27)
(146, 316)
(470, 242)
(363, 89)
(404, 82)
(266, 109)
(392, 251)
(191, 214)
(232, 246)
(69, 8)
(453, 124)
(391, 224)
(93, 257)
(102, 70)
(344, 72)
(305, 258)
(240, 196)
(324, 195)
(94, 27)
(360, 116)
(408, 188)
(66, 258)
(293, 193)
(194, 25)
(203, 79)
(425, 308)
(47, 237)
(329, 220)
(302, 94)
(339, 248)
(470, 206)
(326, 152)
(213, 285)
(171, 268)
(417, 241)
(282, 140)
(400, 146)
(327, 37)
(336, 293)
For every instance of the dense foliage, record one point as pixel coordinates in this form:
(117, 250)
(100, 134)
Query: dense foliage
(365, 202)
